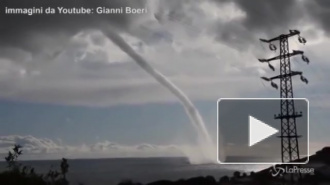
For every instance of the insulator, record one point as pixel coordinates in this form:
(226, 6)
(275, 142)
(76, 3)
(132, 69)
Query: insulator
(274, 85)
(272, 47)
(302, 40)
(304, 79)
(271, 67)
(266, 79)
(304, 58)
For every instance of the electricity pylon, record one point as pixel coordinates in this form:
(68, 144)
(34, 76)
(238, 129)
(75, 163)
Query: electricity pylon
(288, 115)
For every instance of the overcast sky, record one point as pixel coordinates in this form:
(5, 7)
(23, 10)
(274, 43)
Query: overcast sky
(67, 90)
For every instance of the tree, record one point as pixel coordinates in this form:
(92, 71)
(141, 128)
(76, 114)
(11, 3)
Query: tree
(237, 174)
(224, 179)
(19, 174)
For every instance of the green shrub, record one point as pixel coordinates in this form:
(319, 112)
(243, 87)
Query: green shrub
(17, 174)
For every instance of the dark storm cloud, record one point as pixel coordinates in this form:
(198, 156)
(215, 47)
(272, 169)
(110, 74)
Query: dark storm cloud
(32, 33)
(320, 11)
(262, 18)
(268, 14)
(272, 17)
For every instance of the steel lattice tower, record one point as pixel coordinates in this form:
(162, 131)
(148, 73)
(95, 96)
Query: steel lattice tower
(288, 115)
(289, 136)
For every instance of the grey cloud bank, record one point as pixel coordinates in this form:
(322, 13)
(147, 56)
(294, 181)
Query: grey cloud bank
(207, 48)
(204, 44)
(263, 16)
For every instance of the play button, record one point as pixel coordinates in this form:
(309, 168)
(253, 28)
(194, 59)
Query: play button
(259, 131)
(253, 131)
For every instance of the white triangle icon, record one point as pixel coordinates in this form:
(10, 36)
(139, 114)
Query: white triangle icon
(259, 131)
